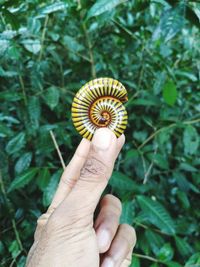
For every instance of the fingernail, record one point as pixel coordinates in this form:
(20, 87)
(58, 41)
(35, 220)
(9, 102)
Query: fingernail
(103, 239)
(108, 262)
(102, 138)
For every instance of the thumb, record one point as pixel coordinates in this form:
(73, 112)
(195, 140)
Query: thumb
(94, 175)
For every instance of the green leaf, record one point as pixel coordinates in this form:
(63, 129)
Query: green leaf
(166, 253)
(21, 262)
(2, 248)
(171, 22)
(182, 196)
(159, 160)
(4, 45)
(11, 18)
(120, 181)
(7, 74)
(102, 6)
(145, 102)
(187, 167)
(34, 110)
(33, 46)
(132, 153)
(10, 95)
(170, 93)
(192, 16)
(48, 9)
(183, 247)
(190, 140)
(50, 189)
(173, 264)
(9, 119)
(16, 143)
(43, 178)
(23, 179)
(184, 184)
(52, 97)
(194, 260)
(140, 5)
(153, 265)
(155, 240)
(23, 162)
(135, 262)
(72, 43)
(14, 249)
(5, 131)
(127, 214)
(157, 214)
(187, 75)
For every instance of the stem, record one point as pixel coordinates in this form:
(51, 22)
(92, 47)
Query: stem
(3, 20)
(57, 148)
(146, 176)
(10, 212)
(166, 128)
(152, 229)
(23, 89)
(80, 55)
(192, 121)
(43, 37)
(125, 29)
(17, 235)
(146, 257)
(140, 78)
(89, 44)
(155, 133)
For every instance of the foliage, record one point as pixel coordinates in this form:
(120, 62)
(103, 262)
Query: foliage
(47, 51)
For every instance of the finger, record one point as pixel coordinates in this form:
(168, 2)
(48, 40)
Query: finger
(128, 260)
(67, 181)
(71, 173)
(107, 221)
(94, 175)
(121, 246)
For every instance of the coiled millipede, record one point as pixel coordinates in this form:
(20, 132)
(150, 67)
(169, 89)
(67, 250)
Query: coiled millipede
(99, 103)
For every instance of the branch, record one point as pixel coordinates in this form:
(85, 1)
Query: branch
(10, 212)
(43, 37)
(58, 150)
(146, 257)
(156, 133)
(166, 128)
(89, 44)
(23, 89)
(146, 176)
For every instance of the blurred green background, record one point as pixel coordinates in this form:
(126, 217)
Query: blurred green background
(48, 50)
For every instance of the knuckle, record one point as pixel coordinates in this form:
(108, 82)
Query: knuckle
(112, 203)
(69, 181)
(56, 220)
(110, 219)
(127, 262)
(93, 167)
(42, 220)
(53, 223)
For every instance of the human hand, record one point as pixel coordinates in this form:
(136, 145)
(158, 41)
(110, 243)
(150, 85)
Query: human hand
(66, 235)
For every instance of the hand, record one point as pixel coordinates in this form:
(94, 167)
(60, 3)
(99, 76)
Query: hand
(66, 235)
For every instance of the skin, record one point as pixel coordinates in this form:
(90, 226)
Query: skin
(67, 235)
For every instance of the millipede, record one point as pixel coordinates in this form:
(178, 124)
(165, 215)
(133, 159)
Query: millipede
(100, 103)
